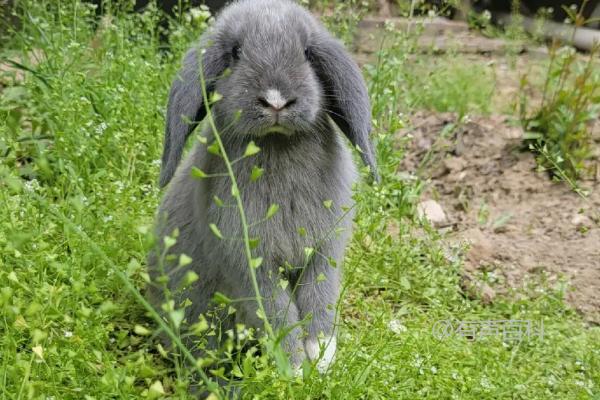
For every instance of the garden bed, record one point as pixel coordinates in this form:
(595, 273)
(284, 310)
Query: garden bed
(517, 223)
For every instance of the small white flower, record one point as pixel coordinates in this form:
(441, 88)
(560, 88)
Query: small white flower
(397, 327)
(418, 361)
(101, 128)
(485, 383)
(196, 13)
(68, 334)
(32, 185)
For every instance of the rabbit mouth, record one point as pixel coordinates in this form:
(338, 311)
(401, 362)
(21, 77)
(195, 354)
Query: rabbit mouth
(277, 129)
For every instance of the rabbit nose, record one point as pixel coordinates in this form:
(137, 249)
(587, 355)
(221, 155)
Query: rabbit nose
(274, 100)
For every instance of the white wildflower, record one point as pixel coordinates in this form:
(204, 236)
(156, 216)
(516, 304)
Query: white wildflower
(397, 327)
(32, 185)
(101, 128)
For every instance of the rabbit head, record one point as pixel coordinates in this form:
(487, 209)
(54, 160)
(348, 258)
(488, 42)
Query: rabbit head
(277, 71)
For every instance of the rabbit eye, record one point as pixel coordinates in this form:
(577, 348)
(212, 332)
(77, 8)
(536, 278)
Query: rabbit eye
(235, 52)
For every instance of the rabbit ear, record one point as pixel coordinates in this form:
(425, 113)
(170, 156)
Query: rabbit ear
(186, 104)
(346, 97)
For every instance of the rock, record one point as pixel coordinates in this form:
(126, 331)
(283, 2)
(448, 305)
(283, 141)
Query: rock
(580, 220)
(513, 133)
(455, 164)
(432, 211)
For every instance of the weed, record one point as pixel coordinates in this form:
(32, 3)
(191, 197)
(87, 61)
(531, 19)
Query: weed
(560, 127)
(342, 18)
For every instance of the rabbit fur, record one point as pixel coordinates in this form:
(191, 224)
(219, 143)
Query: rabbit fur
(284, 81)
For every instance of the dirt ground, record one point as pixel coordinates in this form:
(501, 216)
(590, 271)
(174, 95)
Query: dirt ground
(517, 222)
(518, 226)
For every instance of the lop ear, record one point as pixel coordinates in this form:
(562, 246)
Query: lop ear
(346, 97)
(186, 104)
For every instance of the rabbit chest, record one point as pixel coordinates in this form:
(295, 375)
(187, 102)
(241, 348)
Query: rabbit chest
(299, 203)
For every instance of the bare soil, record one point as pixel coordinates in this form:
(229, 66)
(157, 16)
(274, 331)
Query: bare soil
(516, 221)
(518, 225)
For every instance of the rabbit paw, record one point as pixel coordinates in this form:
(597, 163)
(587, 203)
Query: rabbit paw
(313, 349)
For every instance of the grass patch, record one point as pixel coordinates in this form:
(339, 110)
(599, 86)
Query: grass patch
(80, 138)
(453, 86)
(443, 83)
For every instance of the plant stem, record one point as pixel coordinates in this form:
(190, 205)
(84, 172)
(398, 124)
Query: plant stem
(238, 199)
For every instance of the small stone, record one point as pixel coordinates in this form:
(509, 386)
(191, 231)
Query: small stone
(580, 220)
(513, 132)
(432, 211)
(455, 164)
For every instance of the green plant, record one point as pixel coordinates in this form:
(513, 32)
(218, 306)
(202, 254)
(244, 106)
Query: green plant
(342, 18)
(433, 82)
(560, 127)
(455, 87)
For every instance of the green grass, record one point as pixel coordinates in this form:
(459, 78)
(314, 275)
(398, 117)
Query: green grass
(80, 137)
(453, 86)
(435, 82)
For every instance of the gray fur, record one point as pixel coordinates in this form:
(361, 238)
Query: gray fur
(303, 168)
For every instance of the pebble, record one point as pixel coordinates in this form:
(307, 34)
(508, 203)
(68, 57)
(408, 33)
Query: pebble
(432, 211)
(580, 220)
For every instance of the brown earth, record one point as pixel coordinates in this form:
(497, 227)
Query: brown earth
(517, 222)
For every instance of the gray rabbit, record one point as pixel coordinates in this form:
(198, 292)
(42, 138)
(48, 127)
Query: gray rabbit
(283, 80)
